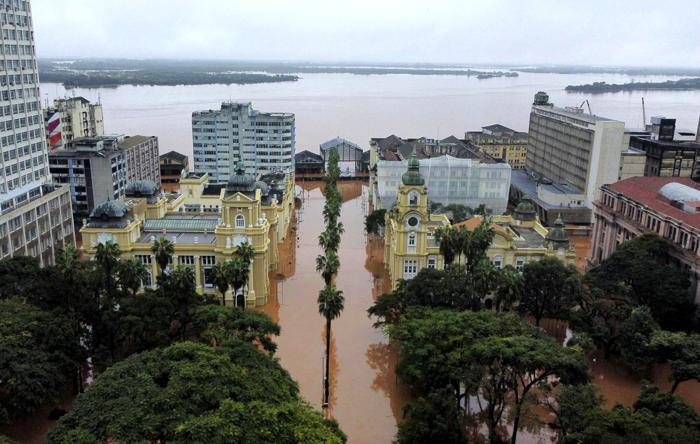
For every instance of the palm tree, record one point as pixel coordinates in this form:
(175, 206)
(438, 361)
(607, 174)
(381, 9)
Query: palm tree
(449, 247)
(246, 252)
(509, 287)
(163, 250)
(238, 271)
(132, 273)
(328, 265)
(330, 238)
(221, 279)
(330, 305)
(107, 257)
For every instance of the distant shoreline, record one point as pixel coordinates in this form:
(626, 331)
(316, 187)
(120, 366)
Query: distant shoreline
(98, 73)
(690, 84)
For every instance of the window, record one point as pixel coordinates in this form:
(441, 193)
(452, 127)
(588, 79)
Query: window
(498, 261)
(519, 263)
(432, 261)
(410, 268)
(207, 263)
(413, 198)
(412, 241)
(146, 260)
(240, 221)
(187, 260)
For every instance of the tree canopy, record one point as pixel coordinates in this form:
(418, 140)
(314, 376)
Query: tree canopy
(191, 392)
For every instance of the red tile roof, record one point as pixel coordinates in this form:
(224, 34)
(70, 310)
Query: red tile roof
(645, 190)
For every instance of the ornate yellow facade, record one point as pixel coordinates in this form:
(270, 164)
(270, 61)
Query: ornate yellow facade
(410, 243)
(409, 235)
(205, 222)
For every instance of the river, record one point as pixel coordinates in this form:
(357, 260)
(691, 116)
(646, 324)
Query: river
(359, 107)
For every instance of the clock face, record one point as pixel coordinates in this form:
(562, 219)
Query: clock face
(412, 221)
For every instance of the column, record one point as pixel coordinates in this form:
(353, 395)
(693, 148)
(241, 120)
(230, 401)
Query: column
(198, 275)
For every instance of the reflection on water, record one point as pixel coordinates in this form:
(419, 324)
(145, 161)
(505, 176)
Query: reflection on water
(366, 397)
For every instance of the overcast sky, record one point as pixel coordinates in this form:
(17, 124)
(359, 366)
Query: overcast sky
(606, 32)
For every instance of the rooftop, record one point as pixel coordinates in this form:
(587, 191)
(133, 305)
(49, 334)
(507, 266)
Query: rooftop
(393, 148)
(181, 224)
(573, 112)
(131, 141)
(338, 141)
(174, 155)
(646, 191)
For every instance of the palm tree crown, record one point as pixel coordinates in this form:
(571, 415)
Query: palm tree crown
(330, 302)
(163, 250)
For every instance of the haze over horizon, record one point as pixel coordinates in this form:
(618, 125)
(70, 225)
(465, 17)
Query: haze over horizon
(625, 33)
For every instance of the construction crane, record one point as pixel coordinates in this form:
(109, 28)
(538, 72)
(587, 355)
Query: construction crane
(587, 104)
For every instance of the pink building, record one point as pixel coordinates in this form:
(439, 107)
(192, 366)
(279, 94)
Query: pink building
(668, 206)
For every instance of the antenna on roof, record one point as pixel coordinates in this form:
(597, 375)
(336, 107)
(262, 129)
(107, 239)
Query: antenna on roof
(644, 115)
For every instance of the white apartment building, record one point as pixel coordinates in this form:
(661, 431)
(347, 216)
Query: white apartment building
(35, 217)
(78, 118)
(568, 146)
(450, 180)
(263, 141)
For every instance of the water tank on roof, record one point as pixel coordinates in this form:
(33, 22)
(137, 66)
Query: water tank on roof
(679, 192)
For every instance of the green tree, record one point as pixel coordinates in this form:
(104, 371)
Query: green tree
(654, 419)
(163, 250)
(509, 288)
(191, 392)
(431, 419)
(550, 289)
(635, 339)
(330, 305)
(330, 238)
(38, 356)
(328, 265)
(640, 272)
(132, 274)
(572, 406)
(221, 276)
(107, 257)
(214, 324)
(450, 245)
(682, 351)
(374, 222)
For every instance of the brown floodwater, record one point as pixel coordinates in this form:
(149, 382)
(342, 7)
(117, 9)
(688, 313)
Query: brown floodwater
(366, 398)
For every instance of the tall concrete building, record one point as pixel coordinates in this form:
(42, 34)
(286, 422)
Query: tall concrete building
(142, 158)
(35, 216)
(567, 146)
(73, 117)
(263, 141)
(93, 168)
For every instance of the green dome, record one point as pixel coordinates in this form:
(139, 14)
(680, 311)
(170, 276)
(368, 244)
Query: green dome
(412, 175)
(557, 236)
(525, 210)
(241, 182)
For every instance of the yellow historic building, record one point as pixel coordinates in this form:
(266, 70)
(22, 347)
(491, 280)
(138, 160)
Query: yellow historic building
(206, 222)
(410, 243)
(409, 236)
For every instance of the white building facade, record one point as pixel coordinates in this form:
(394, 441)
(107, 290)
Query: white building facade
(265, 142)
(450, 181)
(35, 216)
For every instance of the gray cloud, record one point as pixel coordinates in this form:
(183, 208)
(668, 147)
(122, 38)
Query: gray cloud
(606, 32)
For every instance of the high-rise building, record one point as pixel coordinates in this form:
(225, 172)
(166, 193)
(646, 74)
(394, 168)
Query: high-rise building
(568, 146)
(73, 117)
(94, 168)
(142, 158)
(35, 216)
(237, 132)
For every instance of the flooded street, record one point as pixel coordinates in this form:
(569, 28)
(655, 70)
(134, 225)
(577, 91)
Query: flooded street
(366, 398)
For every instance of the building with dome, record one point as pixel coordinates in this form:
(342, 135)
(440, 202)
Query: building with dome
(667, 206)
(410, 243)
(206, 222)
